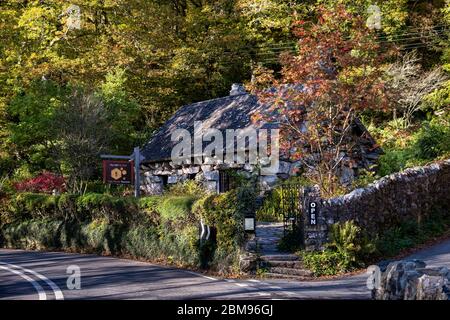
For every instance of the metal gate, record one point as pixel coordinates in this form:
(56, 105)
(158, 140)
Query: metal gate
(291, 207)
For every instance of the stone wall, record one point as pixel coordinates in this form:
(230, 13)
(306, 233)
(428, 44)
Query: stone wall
(208, 174)
(410, 280)
(411, 194)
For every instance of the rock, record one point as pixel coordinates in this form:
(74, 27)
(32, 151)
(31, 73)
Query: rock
(267, 182)
(211, 175)
(346, 175)
(248, 167)
(210, 186)
(285, 167)
(247, 263)
(410, 280)
(431, 288)
(206, 168)
(191, 170)
(153, 188)
(152, 179)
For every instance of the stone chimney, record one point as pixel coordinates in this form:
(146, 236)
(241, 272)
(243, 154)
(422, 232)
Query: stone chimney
(237, 88)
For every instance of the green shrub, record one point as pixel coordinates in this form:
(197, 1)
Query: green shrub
(141, 242)
(67, 206)
(226, 213)
(324, 263)
(176, 208)
(346, 239)
(187, 188)
(95, 205)
(405, 149)
(409, 234)
(94, 236)
(149, 207)
(220, 211)
(270, 211)
(432, 140)
(32, 234)
(34, 205)
(180, 246)
(347, 250)
(364, 178)
(393, 161)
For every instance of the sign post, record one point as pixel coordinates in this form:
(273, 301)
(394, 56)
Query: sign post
(123, 169)
(137, 164)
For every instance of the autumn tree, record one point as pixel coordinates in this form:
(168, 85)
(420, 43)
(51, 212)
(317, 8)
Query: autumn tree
(337, 73)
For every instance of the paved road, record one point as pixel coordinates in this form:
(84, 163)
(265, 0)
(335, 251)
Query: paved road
(43, 275)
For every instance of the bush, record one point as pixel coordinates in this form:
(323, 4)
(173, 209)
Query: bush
(157, 228)
(393, 161)
(87, 207)
(270, 211)
(33, 205)
(226, 213)
(187, 188)
(149, 207)
(405, 149)
(176, 208)
(96, 206)
(141, 242)
(32, 234)
(346, 239)
(409, 234)
(432, 140)
(348, 249)
(45, 182)
(324, 263)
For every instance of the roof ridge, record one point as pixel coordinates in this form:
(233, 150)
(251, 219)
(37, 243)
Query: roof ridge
(219, 98)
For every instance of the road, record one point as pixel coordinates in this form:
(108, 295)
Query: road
(43, 275)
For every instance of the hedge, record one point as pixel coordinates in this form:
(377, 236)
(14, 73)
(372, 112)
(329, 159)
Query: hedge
(155, 228)
(100, 237)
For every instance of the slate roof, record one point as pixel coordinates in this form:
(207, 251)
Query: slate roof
(230, 112)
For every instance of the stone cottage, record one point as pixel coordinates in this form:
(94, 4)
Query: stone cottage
(231, 112)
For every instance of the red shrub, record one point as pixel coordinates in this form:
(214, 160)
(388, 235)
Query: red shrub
(45, 182)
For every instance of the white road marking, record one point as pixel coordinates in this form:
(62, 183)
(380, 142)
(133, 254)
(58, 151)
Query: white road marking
(254, 280)
(36, 285)
(58, 293)
(200, 275)
(242, 284)
(279, 290)
(230, 280)
(263, 294)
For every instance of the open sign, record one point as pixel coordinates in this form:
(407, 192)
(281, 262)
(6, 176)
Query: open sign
(313, 212)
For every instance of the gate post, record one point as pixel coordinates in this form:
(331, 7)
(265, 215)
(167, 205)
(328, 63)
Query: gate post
(315, 227)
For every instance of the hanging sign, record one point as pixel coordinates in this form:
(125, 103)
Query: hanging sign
(118, 172)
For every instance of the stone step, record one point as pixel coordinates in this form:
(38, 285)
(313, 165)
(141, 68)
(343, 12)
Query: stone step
(285, 276)
(290, 271)
(283, 264)
(280, 257)
(271, 241)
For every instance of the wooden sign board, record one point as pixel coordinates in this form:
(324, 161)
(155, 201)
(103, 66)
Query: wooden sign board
(118, 172)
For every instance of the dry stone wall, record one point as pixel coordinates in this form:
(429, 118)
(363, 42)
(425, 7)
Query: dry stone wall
(411, 194)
